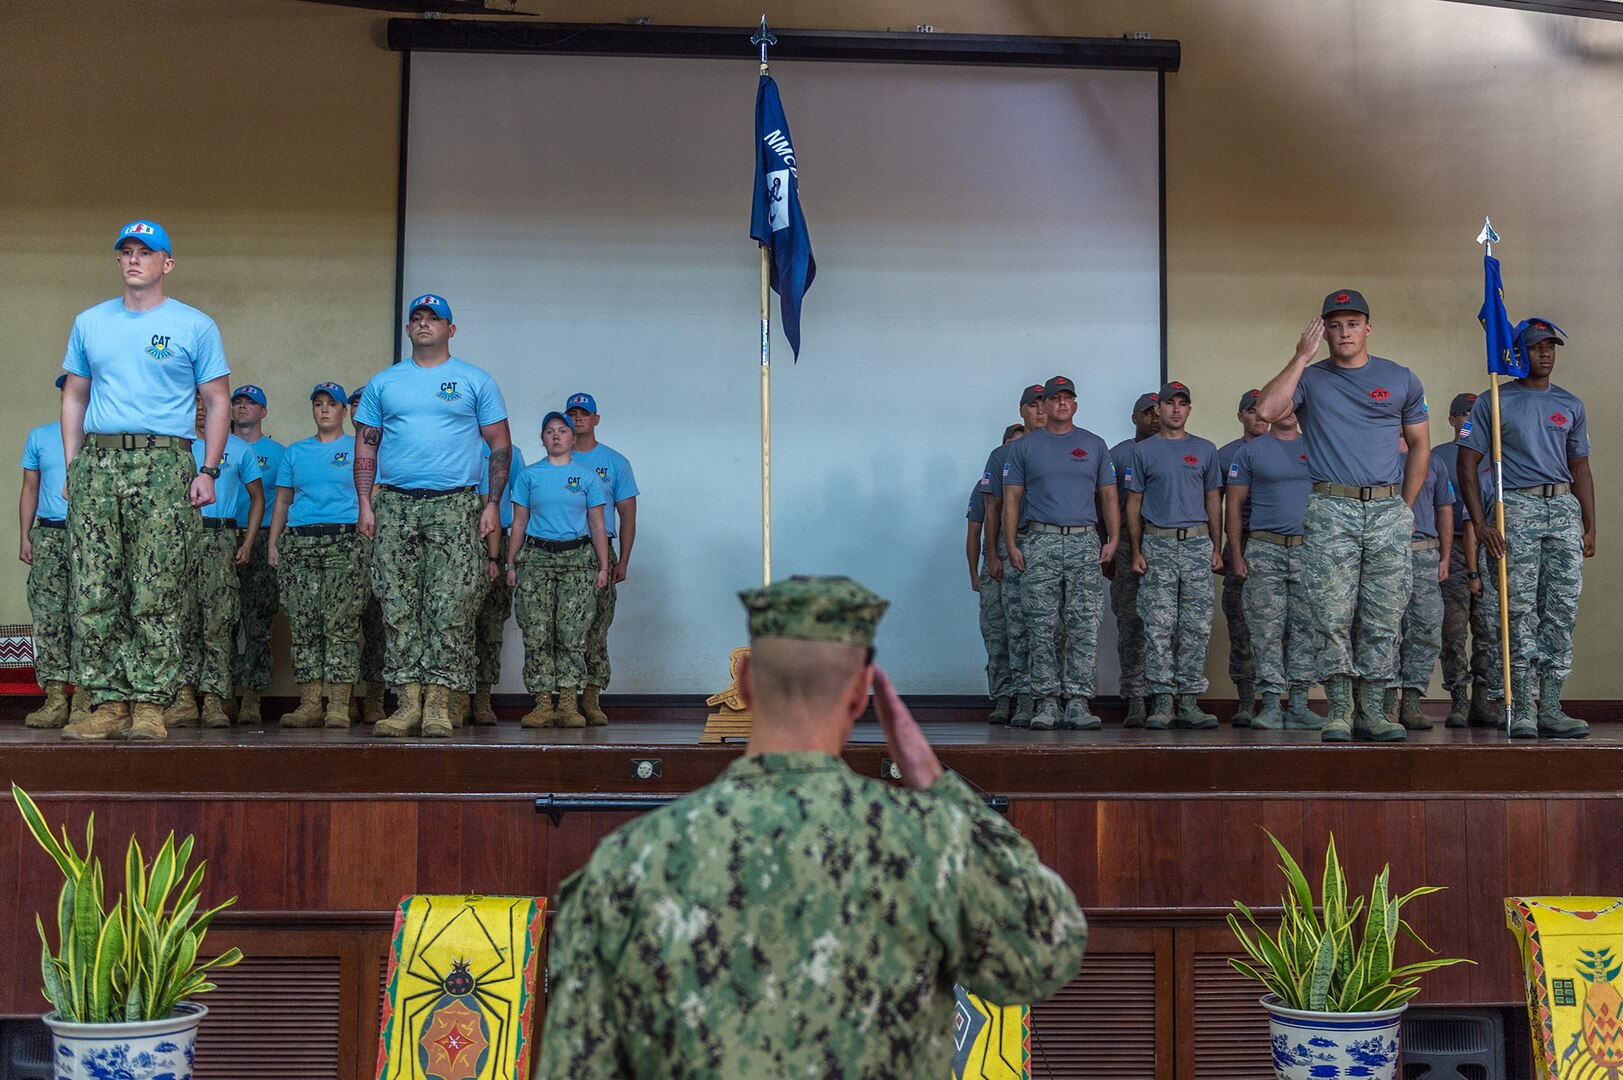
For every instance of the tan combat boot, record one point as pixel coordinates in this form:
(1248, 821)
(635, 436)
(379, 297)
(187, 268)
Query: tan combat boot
(569, 714)
(592, 707)
(461, 708)
(54, 712)
(109, 720)
(372, 712)
(308, 713)
(214, 714)
(484, 714)
(80, 709)
(436, 712)
(408, 718)
(146, 722)
(183, 711)
(248, 712)
(543, 715)
(338, 695)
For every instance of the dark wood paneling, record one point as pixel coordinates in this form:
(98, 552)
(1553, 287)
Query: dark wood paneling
(1113, 1019)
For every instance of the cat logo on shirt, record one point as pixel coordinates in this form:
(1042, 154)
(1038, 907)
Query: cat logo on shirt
(448, 391)
(602, 473)
(1079, 453)
(340, 457)
(158, 348)
(1558, 419)
(1191, 461)
(1380, 393)
(573, 484)
(263, 462)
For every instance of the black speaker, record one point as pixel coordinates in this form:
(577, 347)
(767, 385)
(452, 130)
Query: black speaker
(1453, 1044)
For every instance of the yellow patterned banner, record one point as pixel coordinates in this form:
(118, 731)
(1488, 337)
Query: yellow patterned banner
(1572, 962)
(990, 1042)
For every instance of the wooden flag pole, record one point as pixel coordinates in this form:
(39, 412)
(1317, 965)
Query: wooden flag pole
(1488, 236)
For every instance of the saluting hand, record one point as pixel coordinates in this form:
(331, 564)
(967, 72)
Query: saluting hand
(909, 749)
(1307, 346)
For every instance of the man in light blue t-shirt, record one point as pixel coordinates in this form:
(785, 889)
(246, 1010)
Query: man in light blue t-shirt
(620, 485)
(419, 428)
(257, 578)
(136, 365)
(42, 515)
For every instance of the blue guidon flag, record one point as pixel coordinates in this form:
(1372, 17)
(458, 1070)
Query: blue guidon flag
(1504, 357)
(776, 221)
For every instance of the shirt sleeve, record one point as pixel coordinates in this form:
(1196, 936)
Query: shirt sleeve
(1578, 437)
(1214, 472)
(1299, 395)
(30, 459)
(1415, 410)
(580, 1036)
(1442, 490)
(284, 471)
(1014, 931)
(625, 481)
(1014, 468)
(977, 507)
(75, 361)
(1134, 475)
(594, 489)
(1240, 468)
(1474, 432)
(483, 487)
(490, 408)
(208, 356)
(521, 488)
(1106, 476)
(369, 410)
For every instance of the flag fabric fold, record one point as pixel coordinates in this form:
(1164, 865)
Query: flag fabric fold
(776, 220)
(1504, 356)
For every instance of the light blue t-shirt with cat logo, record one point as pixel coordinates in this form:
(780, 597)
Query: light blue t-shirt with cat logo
(431, 418)
(321, 476)
(557, 497)
(239, 467)
(268, 452)
(614, 473)
(144, 367)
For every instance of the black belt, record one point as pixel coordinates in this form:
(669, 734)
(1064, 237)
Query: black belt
(51, 523)
(1177, 534)
(219, 523)
(1549, 491)
(321, 530)
(557, 546)
(129, 441)
(424, 493)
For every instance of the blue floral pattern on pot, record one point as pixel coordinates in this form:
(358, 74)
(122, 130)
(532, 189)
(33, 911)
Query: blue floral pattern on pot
(149, 1050)
(1333, 1046)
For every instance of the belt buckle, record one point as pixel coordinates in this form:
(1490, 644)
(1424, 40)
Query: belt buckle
(1549, 491)
(1366, 494)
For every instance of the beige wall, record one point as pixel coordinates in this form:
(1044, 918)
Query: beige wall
(1311, 146)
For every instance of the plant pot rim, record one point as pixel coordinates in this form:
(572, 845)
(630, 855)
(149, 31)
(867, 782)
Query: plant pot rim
(187, 1014)
(1275, 1007)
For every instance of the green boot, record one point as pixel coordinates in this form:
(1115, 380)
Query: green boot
(1137, 713)
(1409, 714)
(1247, 691)
(1270, 717)
(1025, 707)
(1370, 720)
(1078, 717)
(1485, 709)
(1459, 707)
(1002, 711)
(1524, 719)
(1300, 716)
(1338, 690)
(1552, 722)
(1189, 715)
(1161, 714)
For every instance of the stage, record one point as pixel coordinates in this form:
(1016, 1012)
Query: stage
(319, 833)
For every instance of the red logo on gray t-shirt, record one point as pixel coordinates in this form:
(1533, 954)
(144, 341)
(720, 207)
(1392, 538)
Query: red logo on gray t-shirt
(1380, 393)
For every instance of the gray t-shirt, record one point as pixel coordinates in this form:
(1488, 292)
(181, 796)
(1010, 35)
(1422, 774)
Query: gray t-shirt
(1351, 418)
(1539, 431)
(1225, 462)
(977, 506)
(1276, 472)
(1062, 475)
(1446, 458)
(1174, 476)
(991, 482)
(1435, 493)
(1121, 456)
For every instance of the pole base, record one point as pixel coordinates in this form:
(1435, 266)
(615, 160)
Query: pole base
(729, 718)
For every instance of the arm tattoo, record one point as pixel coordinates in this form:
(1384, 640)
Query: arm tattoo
(370, 435)
(500, 464)
(366, 469)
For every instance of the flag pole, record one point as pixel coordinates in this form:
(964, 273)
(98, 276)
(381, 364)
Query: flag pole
(763, 38)
(1488, 237)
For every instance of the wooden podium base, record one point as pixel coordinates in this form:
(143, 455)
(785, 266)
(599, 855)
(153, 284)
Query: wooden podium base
(729, 717)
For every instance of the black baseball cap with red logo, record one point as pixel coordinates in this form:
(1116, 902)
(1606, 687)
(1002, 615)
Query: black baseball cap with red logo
(1461, 404)
(1030, 394)
(1057, 384)
(1345, 300)
(1145, 402)
(1172, 389)
(1541, 330)
(1248, 400)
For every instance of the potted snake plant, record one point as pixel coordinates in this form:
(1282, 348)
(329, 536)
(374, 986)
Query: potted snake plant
(120, 976)
(1336, 996)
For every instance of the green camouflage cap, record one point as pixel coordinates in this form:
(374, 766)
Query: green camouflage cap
(816, 608)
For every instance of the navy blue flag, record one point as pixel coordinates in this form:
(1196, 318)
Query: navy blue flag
(1504, 357)
(776, 220)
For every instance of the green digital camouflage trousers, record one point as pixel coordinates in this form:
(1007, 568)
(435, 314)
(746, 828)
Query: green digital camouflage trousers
(1358, 574)
(129, 523)
(1062, 592)
(1014, 617)
(597, 635)
(554, 601)
(1129, 627)
(256, 589)
(1242, 666)
(212, 606)
(494, 607)
(372, 633)
(428, 571)
(324, 585)
(1544, 547)
(994, 634)
(50, 600)
(1175, 604)
(1422, 630)
(1462, 646)
(1275, 599)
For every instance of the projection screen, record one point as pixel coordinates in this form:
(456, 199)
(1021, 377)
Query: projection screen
(975, 229)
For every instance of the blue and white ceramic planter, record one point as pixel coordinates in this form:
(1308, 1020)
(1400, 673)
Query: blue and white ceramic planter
(1333, 1046)
(148, 1050)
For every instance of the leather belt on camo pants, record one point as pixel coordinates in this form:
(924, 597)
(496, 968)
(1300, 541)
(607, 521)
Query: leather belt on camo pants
(1362, 494)
(1177, 534)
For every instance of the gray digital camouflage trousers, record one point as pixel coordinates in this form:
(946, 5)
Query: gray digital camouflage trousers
(1487, 664)
(1422, 630)
(1062, 593)
(129, 527)
(1462, 646)
(1129, 627)
(1014, 617)
(50, 604)
(494, 607)
(1276, 601)
(1175, 602)
(1242, 666)
(372, 632)
(598, 670)
(1544, 549)
(428, 571)
(1358, 575)
(325, 587)
(212, 606)
(555, 603)
(994, 634)
(256, 589)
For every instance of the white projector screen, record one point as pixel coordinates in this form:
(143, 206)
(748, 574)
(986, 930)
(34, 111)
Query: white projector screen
(975, 229)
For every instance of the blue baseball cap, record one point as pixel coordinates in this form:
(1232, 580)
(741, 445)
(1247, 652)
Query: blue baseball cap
(253, 394)
(581, 401)
(433, 302)
(332, 390)
(355, 395)
(551, 416)
(61, 380)
(149, 233)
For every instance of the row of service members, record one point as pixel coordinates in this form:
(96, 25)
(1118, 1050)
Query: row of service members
(148, 531)
(1169, 485)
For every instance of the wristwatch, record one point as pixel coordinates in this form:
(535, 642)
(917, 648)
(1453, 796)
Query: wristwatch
(1472, 575)
(212, 471)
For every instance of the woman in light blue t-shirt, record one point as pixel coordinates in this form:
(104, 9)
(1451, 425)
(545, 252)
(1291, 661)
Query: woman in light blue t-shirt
(557, 559)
